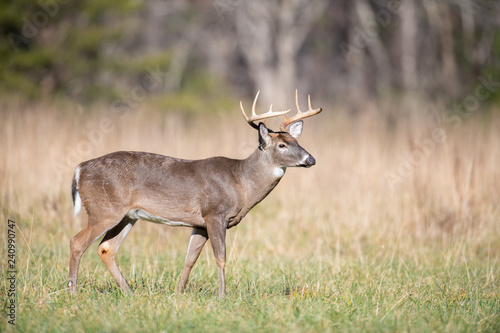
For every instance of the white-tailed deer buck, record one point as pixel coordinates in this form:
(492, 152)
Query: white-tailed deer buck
(209, 195)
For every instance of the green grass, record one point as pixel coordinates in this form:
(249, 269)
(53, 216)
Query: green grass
(384, 292)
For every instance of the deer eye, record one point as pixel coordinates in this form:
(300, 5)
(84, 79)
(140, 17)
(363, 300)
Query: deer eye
(282, 145)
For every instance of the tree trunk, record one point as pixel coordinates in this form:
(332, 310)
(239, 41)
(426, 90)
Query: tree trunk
(408, 45)
(273, 61)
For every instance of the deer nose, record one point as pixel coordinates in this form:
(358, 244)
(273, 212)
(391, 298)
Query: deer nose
(310, 161)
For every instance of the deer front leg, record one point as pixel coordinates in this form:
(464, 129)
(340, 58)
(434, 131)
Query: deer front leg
(196, 242)
(217, 234)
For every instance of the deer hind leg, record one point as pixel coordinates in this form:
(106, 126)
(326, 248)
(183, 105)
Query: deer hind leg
(196, 242)
(80, 243)
(109, 246)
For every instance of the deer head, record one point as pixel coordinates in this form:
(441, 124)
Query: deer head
(282, 146)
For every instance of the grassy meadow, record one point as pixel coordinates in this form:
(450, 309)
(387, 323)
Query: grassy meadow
(396, 228)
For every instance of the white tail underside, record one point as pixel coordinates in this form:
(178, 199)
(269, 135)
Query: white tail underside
(78, 199)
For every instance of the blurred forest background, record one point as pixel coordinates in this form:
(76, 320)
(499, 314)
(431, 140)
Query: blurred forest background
(343, 51)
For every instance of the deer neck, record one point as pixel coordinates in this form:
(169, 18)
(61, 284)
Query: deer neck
(260, 175)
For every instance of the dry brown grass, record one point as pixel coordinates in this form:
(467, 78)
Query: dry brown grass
(379, 187)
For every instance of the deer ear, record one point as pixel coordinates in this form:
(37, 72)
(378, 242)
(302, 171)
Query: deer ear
(296, 129)
(264, 137)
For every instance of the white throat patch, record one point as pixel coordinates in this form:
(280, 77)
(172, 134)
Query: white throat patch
(279, 172)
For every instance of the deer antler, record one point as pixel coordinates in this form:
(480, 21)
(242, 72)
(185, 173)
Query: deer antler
(254, 117)
(299, 115)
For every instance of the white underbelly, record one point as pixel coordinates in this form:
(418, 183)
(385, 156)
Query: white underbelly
(143, 215)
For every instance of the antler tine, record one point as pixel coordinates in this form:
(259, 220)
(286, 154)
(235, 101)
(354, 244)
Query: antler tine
(297, 101)
(254, 117)
(300, 115)
(254, 103)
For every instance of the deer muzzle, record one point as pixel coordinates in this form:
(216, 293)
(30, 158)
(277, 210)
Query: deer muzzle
(310, 161)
